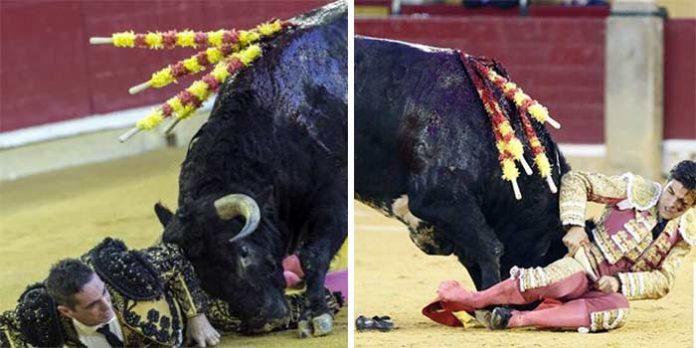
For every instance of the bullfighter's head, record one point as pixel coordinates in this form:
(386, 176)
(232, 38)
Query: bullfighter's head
(679, 193)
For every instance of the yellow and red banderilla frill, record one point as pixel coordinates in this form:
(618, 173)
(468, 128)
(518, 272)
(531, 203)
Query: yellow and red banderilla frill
(510, 148)
(229, 50)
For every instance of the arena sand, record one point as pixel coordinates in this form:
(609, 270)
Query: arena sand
(393, 277)
(61, 214)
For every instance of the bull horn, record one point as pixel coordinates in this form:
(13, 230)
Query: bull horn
(236, 204)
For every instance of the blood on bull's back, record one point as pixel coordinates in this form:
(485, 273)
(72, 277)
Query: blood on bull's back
(426, 154)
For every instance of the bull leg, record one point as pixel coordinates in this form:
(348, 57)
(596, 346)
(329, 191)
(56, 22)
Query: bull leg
(471, 267)
(327, 230)
(461, 219)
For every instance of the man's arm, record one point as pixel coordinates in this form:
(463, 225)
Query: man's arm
(655, 284)
(577, 188)
(179, 276)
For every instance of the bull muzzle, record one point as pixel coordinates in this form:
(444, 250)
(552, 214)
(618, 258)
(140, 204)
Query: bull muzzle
(236, 204)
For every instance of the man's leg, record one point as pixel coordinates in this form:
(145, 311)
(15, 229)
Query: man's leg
(563, 279)
(596, 311)
(223, 319)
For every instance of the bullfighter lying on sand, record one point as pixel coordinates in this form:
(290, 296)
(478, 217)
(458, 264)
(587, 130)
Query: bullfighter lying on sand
(115, 297)
(633, 252)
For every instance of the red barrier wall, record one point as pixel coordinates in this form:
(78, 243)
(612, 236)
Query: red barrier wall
(49, 71)
(551, 58)
(559, 61)
(680, 79)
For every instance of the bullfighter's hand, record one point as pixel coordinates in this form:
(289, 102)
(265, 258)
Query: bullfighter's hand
(200, 332)
(575, 238)
(607, 284)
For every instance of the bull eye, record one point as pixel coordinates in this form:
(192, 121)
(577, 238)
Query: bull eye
(244, 252)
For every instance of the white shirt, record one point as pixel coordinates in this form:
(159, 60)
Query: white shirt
(91, 338)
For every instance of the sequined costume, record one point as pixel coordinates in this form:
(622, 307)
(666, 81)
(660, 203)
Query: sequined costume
(153, 292)
(622, 245)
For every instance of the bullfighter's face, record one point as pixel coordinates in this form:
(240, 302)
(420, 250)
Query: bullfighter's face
(675, 200)
(235, 264)
(92, 304)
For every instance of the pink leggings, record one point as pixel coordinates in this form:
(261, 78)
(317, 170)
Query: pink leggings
(580, 305)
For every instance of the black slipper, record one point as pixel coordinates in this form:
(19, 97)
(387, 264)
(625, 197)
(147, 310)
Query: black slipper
(383, 323)
(494, 320)
(500, 318)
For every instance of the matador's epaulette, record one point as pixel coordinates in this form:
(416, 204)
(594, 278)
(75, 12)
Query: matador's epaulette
(38, 318)
(127, 271)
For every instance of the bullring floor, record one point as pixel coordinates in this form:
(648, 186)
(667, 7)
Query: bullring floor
(61, 214)
(393, 277)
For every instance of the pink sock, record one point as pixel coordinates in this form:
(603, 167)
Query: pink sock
(573, 314)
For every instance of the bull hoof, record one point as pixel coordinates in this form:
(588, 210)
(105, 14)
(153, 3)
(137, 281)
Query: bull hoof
(304, 329)
(323, 324)
(483, 317)
(318, 326)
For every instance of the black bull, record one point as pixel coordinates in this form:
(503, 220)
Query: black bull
(425, 154)
(274, 152)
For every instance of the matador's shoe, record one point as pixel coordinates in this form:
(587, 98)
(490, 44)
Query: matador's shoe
(497, 319)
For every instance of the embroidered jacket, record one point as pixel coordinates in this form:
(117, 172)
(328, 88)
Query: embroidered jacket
(623, 232)
(153, 292)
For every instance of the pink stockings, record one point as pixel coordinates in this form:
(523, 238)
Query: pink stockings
(578, 302)
(572, 314)
(508, 292)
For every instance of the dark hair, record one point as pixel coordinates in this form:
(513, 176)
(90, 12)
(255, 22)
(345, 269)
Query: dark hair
(685, 173)
(65, 279)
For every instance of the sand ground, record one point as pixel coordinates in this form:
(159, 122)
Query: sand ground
(61, 214)
(393, 277)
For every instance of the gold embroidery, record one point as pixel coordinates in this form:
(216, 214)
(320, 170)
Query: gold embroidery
(608, 320)
(579, 187)
(645, 284)
(637, 228)
(622, 243)
(9, 330)
(687, 226)
(537, 277)
(179, 276)
(606, 245)
(643, 194)
(221, 317)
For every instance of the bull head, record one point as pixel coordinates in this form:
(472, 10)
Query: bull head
(237, 261)
(227, 208)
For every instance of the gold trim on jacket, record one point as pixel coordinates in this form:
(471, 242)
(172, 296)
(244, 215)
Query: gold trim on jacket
(654, 263)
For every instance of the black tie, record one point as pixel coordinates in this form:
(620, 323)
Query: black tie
(113, 340)
(661, 223)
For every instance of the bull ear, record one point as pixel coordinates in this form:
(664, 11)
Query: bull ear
(163, 214)
(173, 235)
(193, 247)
